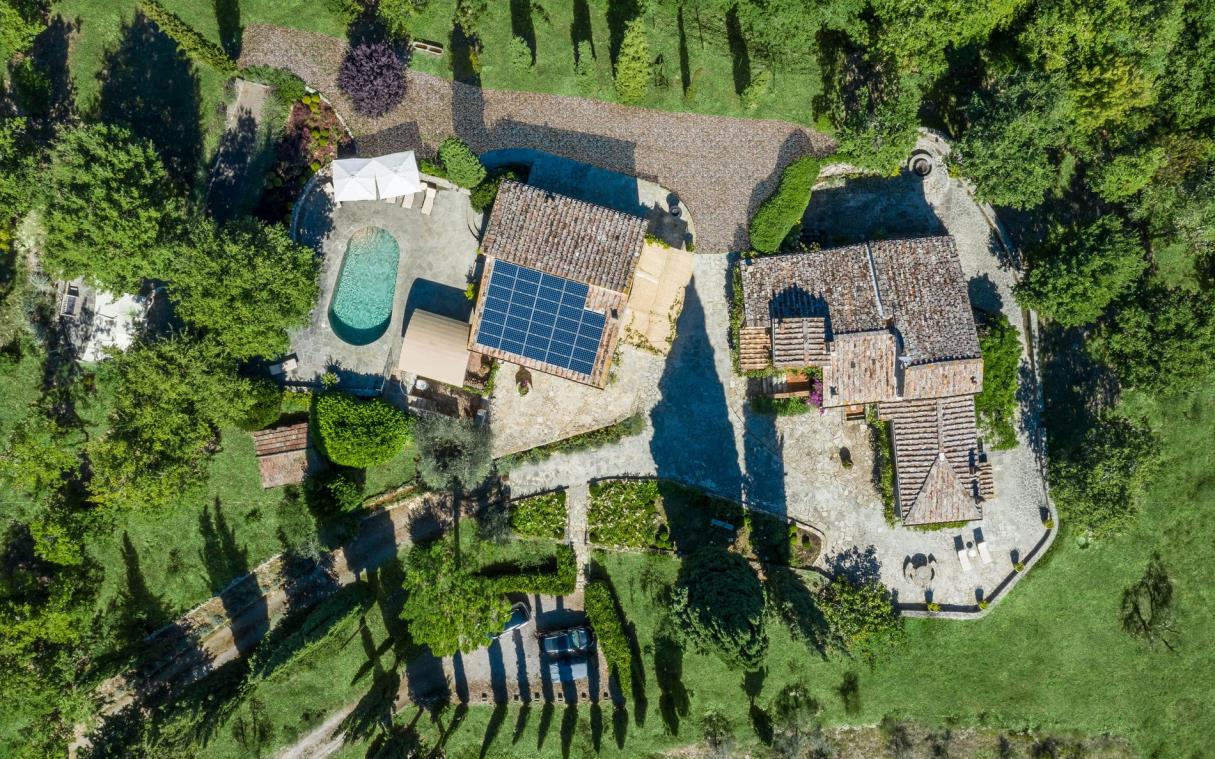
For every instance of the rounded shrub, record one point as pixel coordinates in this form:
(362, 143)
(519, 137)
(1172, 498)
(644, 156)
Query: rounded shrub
(359, 433)
(373, 76)
(461, 164)
(265, 408)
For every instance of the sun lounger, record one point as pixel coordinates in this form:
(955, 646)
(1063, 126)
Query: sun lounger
(407, 200)
(428, 203)
(984, 554)
(964, 559)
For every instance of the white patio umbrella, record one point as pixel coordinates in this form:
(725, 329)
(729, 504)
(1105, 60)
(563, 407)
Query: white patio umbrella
(397, 174)
(354, 179)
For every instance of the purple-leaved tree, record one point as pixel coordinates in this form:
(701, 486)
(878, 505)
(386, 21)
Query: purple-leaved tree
(373, 75)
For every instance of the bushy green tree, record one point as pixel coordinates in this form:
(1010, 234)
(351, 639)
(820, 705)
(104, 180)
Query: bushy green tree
(861, 617)
(448, 608)
(359, 433)
(1099, 485)
(719, 604)
(452, 453)
(243, 285)
(996, 405)
(172, 397)
(108, 204)
(1126, 174)
(1160, 339)
(37, 458)
(1081, 270)
(783, 210)
(633, 64)
(462, 164)
(1011, 149)
(20, 22)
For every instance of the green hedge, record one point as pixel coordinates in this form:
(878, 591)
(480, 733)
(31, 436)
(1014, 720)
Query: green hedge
(194, 44)
(462, 164)
(540, 577)
(633, 425)
(883, 452)
(540, 516)
(359, 433)
(764, 404)
(609, 625)
(777, 216)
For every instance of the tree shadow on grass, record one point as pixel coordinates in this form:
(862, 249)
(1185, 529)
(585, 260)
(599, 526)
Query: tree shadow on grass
(674, 701)
(619, 14)
(580, 28)
(227, 17)
(740, 58)
(142, 610)
(685, 64)
(239, 152)
(54, 101)
(149, 86)
(569, 721)
(522, 25)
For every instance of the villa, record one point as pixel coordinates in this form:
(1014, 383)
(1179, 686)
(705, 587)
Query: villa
(557, 276)
(889, 324)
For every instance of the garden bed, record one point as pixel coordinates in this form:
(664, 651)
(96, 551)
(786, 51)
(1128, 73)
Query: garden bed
(312, 137)
(656, 514)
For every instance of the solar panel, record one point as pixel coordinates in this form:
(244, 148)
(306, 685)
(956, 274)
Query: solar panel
(540, 317)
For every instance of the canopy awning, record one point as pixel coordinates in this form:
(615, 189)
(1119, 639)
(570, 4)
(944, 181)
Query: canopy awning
(397, 174)
(354, 179)
(435, 347)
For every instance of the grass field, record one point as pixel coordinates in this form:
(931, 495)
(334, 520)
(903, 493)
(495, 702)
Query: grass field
(1051, 656)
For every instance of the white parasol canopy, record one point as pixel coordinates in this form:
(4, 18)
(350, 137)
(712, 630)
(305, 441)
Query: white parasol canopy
(354, 179)
(397, 175)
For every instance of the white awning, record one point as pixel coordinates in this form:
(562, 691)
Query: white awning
(354, 179)
(435, 347)
(397, 175)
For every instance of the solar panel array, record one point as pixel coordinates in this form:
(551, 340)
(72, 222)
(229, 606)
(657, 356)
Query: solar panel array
(541, 317)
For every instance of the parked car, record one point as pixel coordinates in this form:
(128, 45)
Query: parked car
(575, 641)
(520, 616)
(568, 670)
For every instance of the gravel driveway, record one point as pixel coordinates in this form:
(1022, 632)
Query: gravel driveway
(721, 167)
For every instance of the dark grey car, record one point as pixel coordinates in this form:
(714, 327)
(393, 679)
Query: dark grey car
(575, 641)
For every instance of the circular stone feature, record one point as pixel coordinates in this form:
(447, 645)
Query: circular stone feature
(362, 302)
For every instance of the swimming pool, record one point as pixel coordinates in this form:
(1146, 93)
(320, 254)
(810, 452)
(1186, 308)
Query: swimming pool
(366, 286)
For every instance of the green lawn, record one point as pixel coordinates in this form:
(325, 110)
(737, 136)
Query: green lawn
(709, 69)
(1051, 656)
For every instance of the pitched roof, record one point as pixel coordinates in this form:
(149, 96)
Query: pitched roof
(914, 286)
(285, 455)
(923, 432)
(563, 236)
(941, 498)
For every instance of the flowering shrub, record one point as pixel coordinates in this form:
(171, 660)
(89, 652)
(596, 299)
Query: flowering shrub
(373, 75)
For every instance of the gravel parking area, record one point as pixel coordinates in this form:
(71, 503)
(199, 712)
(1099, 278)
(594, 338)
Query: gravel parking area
(721, 167)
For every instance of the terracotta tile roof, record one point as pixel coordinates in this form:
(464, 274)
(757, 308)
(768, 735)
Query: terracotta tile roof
(285, 455)
(923, 432)
(924, 290)
(799, 341)
(862, 369)
(286, 437)
(914, 286)
(564, 237)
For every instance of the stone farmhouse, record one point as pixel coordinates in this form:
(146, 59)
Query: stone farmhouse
(557, 275)
(889, 324)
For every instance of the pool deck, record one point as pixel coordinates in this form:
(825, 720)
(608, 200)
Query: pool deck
(438, 256)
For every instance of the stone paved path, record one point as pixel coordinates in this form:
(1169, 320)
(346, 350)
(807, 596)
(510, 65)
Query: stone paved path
(576, 499)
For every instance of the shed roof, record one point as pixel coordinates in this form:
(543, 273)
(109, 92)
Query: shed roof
(435, 347)
(564, 237)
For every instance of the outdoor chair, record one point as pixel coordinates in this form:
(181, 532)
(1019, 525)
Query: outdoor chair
(407, 200)
(428, 203)
(984, 554)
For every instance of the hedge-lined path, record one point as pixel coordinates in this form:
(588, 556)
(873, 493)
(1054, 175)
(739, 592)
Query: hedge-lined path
(721, 167)
(231, 624)
(577, 498)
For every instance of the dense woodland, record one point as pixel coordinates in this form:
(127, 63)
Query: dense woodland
(1089, 125)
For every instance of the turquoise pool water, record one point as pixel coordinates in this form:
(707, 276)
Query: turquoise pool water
(366, 287)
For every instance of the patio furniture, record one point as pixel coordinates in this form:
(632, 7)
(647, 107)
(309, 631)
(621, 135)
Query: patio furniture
(984, 554)
(963, 553)
(407, 200)
(70, 300)
(922, 575)
(428, 203)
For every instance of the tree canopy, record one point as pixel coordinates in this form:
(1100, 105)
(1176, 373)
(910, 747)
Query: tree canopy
(173, 396)
(720, 605)
(861, 617)
(243, 285)
(108, 208)
(448, 608)
(452, 453)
